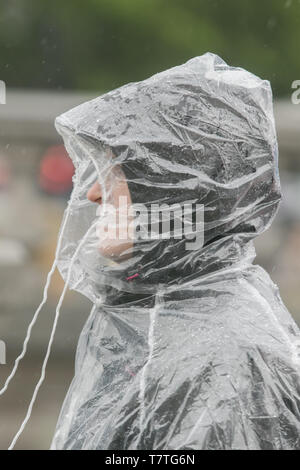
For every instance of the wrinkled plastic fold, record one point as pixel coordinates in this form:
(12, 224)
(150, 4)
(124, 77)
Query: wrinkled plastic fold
(188, 344)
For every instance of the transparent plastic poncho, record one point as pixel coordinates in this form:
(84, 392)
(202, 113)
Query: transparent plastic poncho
(184, 348)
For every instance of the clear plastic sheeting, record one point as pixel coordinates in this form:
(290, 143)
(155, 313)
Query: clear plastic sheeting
(186, 346)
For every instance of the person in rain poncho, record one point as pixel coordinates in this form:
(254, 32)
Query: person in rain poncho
(188, 344)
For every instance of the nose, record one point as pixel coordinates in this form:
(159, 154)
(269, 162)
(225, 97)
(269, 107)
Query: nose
(94, 194)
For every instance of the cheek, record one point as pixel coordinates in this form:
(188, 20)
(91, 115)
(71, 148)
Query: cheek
(115, 231)
(121, 194)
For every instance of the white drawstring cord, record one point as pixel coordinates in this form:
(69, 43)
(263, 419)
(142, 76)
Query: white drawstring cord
(37, 312)
(29, 329)
(42, 376)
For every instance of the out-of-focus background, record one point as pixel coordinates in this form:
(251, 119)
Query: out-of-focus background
(55, 55)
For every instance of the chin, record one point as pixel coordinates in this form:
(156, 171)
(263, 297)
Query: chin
(116, 250)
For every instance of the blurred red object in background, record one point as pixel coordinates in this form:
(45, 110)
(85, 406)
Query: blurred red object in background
(56, 171)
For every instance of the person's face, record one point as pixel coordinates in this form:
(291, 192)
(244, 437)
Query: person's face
(112, 242)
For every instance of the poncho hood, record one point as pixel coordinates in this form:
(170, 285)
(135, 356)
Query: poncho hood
(203, 133)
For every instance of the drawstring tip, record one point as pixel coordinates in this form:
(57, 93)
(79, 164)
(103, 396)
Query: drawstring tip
(132, 277)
